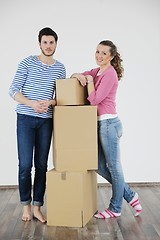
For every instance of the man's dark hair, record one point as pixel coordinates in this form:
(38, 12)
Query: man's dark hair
(47, 32)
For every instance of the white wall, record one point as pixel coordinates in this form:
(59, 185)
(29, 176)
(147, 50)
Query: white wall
(81, 24)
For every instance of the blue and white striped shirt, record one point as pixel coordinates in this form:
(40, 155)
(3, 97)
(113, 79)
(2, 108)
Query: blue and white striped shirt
(36, 81)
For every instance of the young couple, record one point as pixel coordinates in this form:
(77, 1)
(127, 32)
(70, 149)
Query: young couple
(33, 87)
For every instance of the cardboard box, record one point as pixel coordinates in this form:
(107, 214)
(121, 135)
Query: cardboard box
(75, 138)
(71, 198)
(69, 91)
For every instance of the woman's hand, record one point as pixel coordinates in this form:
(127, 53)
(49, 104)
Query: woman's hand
(80, 77)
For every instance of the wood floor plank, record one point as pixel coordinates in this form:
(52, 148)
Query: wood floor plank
(147, 221)
(108, 228)
(28, 230)
(126, 227)
(62, 232)
(19, 229)
(49, 233)
(5, 195)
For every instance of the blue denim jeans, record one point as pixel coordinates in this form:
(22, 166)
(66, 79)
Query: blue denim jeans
(109, 164)
(33, 141)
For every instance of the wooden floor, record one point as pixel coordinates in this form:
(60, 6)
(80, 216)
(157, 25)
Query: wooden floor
(126, 227)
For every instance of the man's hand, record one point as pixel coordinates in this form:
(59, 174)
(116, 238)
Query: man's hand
(40, 106)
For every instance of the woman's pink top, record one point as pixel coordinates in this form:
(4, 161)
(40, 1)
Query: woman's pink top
(104, 95)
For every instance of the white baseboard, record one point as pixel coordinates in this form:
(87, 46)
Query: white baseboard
(133, 184)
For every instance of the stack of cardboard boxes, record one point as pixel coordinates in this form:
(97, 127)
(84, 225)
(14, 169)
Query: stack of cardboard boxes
(72, 184)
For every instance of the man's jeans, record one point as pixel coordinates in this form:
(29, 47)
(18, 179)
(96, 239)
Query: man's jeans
(33, 138)
(109, 165)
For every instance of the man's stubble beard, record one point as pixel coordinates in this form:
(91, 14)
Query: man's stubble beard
(47, 55)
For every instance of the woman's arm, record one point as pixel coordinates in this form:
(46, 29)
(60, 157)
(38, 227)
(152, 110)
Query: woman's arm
(90, 84)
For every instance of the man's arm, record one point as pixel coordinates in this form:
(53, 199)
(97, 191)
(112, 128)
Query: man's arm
(39, 106)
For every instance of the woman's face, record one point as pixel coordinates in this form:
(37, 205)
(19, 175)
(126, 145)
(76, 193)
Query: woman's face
(103, 56)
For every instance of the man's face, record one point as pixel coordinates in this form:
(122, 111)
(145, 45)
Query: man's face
(48, 45)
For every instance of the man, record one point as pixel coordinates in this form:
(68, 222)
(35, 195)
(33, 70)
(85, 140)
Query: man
(33, 87)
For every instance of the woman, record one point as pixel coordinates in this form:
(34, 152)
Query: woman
(102, 84)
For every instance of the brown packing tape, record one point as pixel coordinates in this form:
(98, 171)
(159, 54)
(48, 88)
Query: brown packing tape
(63, 176)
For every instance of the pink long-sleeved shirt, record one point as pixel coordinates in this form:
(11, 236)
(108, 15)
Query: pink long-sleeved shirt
(104, 95)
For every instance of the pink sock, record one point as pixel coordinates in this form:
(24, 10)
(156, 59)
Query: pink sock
(106, 214)
(136, 205)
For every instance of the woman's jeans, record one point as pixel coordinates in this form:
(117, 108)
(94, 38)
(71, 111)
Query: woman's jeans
(109, 165)
(33, 139)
